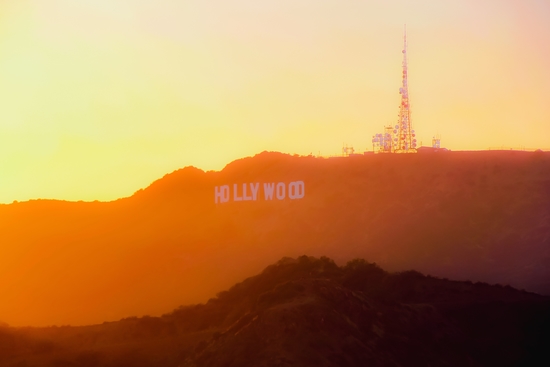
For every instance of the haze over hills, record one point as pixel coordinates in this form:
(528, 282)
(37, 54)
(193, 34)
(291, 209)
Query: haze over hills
(482, 216)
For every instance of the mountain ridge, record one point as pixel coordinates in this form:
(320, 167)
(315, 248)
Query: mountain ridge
(483, 216)
(309, 311)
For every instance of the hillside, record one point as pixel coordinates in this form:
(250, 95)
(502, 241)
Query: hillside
(311, 312)
(479, 216)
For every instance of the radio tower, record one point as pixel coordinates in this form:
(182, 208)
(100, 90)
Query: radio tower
(404, 136)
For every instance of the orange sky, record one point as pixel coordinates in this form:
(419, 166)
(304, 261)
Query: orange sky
(98, 98)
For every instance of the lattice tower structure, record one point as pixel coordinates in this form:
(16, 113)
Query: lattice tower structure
(404, 135)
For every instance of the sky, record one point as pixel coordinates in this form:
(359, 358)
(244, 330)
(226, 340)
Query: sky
(98, 98)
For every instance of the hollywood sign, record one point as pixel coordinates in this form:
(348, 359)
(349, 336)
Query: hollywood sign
(251, 191)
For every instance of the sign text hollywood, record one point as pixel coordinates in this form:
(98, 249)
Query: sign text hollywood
(255, 191)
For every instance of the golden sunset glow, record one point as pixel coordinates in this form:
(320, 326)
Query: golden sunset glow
(98, 98)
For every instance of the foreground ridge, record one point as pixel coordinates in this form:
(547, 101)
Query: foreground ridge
(308, 311)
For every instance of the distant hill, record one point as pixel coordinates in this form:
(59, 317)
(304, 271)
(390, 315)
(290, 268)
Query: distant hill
(480, 216)
(310, 312)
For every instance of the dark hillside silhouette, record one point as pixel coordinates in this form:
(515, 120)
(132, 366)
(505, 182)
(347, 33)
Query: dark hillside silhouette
(479, 216)
(310, 312)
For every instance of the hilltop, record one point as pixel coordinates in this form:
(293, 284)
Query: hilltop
(479, 216)
(310, 312)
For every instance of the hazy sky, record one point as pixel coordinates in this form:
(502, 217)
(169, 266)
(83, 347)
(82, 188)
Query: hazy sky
(100, 97)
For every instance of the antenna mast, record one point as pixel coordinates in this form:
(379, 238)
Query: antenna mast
(404, 139)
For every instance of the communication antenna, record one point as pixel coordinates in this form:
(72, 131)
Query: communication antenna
(404, 137)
